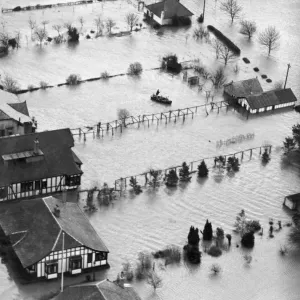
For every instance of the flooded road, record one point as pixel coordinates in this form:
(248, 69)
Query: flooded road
(158, 218)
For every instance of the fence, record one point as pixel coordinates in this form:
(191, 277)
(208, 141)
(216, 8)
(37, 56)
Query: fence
(121, 184)
(112, 126)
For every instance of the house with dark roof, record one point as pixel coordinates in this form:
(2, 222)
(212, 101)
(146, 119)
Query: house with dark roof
(101, 290)
(37, 164)
(50, 237)
(14, 116)
(163, 12)
(250, 95)
(292, 202)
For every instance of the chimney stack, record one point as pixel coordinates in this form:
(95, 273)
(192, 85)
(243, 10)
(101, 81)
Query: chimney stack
(36, 147)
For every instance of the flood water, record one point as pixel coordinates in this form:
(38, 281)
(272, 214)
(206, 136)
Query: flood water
(155, 219)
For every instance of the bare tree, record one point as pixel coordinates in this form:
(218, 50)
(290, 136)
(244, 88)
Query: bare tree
(226, 55)
(131, 19)
(4, 40)
(218, 78)
(98, 24)
(248, 28)
(57, 28)
(18, 39)
(110, 24)
(10, 84)
(40, 34)
(44, 23)
(81, 21)
(217, 45)
(32, 25)
(123, 113)
(269, 38)
(154, 280)
(231, 8)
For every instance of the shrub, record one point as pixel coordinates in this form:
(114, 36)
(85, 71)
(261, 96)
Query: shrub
(73, 79)
(43, 85)
(172, 178)
(192, 254)
(202, 169)
(207, 231)
(253, 225)
(73, 34)
(269, 80)
(127, 271)
(10, 85)
(264, 76)
(220, 233)
(30, 87)
(200, 32)
(246, 60)
(170, 62)
(135, 186)
(283, 250)
(215, 269)
(234, 48)
(214, 251)
(256, 69)
(135, 69)
(265, 157)
(105, 75)
(248, 239)
(143, 265)
(193, 236)
(248, 258)
(177, 21)
(58, 39)
(233, 164)
(171, 254)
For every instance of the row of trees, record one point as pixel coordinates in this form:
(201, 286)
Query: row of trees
(292, 142)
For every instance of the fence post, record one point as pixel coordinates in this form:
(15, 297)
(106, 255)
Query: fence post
(79, 131)
(107, 126)
(250, 153)
(242, 155)
(270, 148)
(84, 137)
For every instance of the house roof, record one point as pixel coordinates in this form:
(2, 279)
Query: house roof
(58, 156)
(12, 108)
(171, 8)
(35, 231)
(243, 88)
(270, 98)
(103, 290)
(294, 197)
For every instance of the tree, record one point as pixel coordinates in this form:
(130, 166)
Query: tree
(289, 144)
(231, 8)
(269, 38)
(296, 134)
(228, 236)
(193, 236)
(4, 41)
(248, 28)
(123, 113)
(72, 33)
(218, 78)
(32, 25)
(135, 186)
(217, 45)
(81, 21)
(40, 34)
(44, 23)
(240, 223)
(98, 24)
(233, 164)
(110, 23)
(9, 84)
(18, 39)
(57, 28)
(135, 69)
(131, 19)
(248, 239)
(184, 172)
(220, 233)
(172, 178)
(202, 169)
(154, 280)
(226, 54)
(265, 157)
(207, 231)
(156, 178)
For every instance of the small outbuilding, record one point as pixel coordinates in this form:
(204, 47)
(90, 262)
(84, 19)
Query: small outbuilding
(165, 11)
(292, 202)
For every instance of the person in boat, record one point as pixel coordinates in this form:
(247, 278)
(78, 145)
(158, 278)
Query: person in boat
(157, 92)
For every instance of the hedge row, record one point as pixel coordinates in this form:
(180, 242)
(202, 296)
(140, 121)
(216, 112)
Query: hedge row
(224, 39)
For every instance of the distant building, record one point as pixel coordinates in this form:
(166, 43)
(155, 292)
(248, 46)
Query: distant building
(102, 290)
(45, 232)
(250, 95)
(14, 116)
(38, 164)
(292, 202)
(163, 12)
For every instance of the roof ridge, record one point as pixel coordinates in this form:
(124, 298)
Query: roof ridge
(57, 238)
(20, 239)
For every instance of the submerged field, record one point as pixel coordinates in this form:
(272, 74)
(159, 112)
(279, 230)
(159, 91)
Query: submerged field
(155, 219)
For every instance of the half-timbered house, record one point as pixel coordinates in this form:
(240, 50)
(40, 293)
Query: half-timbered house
(38, 164)
(50, 237)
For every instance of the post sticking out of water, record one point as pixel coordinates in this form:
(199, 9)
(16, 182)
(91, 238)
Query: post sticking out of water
(250, 153)
(84, 136)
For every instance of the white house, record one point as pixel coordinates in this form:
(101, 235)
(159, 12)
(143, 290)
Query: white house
(50, 237)
(163, 12)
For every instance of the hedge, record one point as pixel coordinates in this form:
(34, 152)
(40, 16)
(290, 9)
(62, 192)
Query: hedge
(224, 39)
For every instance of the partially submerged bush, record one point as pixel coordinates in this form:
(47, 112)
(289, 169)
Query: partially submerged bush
(170, 62)
(233, 164)
(171, 254)
(73, 34)
(144, 265)
(43, 85)
(10, 85)
(253, 225)
(73, 79)
(248, 239)
(31, 87)
(172, 178)
(127, 271)
(105, 75)
(202, 169)
(192, 254)
(215, 269)
(214, 251)
(135, 69)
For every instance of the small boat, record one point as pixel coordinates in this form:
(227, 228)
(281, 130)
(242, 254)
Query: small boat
(161, 99)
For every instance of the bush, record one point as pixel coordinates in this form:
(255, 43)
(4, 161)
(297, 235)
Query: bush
(143, 265)
(233, 164)
(135, 69)
(253, 225)
(214, 251)
(248, 239)
(246, 60)
(73, 34)
(234, 48)
(172, 178)
(171, 254)
(264, 76)
(216, 269)
(202, 169)
(10, 85)
(73, 79)
(30, 87)
(43, 85)
(256, 69)
(220, 233)
(170, 62)
(105, 75)
(192, 254)
(265, 157)
(184, 172)
(127, 271)
(17, 8)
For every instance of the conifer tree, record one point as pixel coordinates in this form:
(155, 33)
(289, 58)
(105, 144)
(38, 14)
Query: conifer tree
(184, 172)
(202, 169)
(172, 178)
(265, 157)
(193, 236)
(135, 186)
(207, 231)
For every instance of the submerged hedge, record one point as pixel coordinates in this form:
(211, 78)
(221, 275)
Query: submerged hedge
(224, 39)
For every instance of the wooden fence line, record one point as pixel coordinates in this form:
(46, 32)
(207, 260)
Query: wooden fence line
(166, 116)
(122, 182)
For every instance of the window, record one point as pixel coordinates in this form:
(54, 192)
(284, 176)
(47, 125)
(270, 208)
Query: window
(26, 186)
(2, 132)
(73, 180)
(51, 267)
(37, 185)
(75, 262)
(32, 269)
(3, 192)
(90, 258)
(44, 183)
(100, 256)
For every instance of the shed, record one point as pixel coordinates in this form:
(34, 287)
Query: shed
(292, 202)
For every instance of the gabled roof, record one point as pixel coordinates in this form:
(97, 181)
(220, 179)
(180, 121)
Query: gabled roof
(58, 156)
(171, 8)
(12, 108)
(271, 98)
(243, 88)
(35, 231)
(103, 290)
(294, 197)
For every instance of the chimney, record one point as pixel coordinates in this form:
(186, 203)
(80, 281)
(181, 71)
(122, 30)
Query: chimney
(36, 146)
